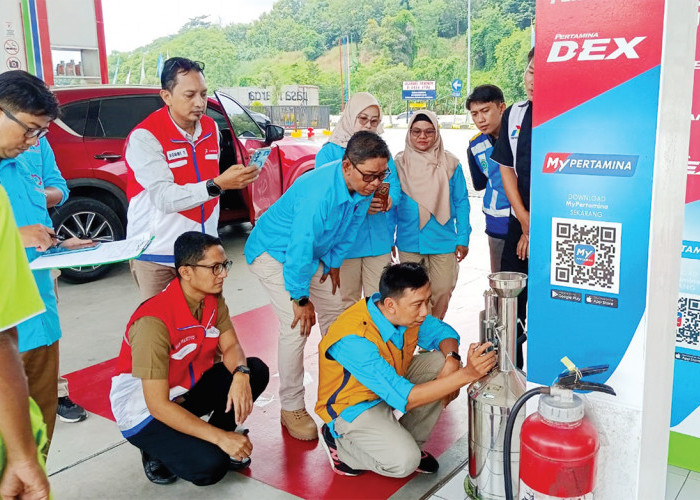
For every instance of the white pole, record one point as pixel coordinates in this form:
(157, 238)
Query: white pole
(469, 46)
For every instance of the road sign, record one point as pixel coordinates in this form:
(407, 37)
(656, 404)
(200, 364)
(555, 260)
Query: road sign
(456, 88)
(419, 90)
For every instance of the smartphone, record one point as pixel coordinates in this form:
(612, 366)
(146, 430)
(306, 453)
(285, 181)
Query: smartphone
(382, 193)
(259, 157)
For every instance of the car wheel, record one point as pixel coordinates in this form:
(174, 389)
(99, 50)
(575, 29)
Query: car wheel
(87, 218)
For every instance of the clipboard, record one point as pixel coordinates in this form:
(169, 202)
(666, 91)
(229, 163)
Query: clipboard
(104, 253)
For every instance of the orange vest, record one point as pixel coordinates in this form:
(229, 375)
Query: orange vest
(337, 388)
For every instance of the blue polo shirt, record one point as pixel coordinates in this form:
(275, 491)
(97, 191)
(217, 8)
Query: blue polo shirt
(315, 221)
(24, 179)
(435, 238)
(376, 234)
(362, 359)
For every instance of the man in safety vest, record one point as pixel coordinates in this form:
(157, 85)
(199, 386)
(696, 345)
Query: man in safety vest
(167, 376)
(512, 152)
(173, 180)
(367, 369)
(486, 105)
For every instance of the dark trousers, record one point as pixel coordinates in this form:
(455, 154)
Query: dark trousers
(188, 457)
(511, 262)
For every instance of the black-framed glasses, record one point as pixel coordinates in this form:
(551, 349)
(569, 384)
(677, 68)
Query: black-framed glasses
(371, 177)
(216, 269)
(363, 119)
(29, 132)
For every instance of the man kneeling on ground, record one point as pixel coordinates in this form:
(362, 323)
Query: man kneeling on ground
(367, 369)
(166, 376)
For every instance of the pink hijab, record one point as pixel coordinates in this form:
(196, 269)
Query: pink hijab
(346, 126)
(425, 175)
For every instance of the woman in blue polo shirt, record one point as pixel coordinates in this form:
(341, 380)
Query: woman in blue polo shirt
(371, 251)
(433, 210)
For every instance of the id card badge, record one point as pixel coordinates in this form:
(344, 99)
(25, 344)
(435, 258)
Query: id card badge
(212, 332)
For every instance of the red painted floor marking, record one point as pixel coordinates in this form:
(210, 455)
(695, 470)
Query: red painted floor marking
(297, 467)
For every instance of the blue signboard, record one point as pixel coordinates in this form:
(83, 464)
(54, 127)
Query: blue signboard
(419, 90)
(456, 88)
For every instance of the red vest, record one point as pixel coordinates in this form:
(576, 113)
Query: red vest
(188, 164)
(192, 343)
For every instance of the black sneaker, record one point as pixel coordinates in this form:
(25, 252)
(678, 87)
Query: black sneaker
(339, 467)
(238, 464)
(155, 471)
(70, 412)
(428, 464)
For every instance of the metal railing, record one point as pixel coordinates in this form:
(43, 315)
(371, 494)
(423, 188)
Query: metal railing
(297, 117)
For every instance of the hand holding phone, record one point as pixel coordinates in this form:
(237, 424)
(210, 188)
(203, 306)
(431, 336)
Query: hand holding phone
(382, 194)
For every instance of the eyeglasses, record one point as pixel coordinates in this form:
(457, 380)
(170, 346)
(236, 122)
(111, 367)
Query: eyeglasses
(29, 132)
(216, 269)
(363, 119)
(417, 132)
(372, 177)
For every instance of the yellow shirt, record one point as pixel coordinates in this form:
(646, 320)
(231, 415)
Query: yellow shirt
(19, 297)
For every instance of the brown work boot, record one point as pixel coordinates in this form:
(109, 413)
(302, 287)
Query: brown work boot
(300, 424)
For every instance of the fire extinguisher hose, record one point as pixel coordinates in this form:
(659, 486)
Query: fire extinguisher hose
(512, 417)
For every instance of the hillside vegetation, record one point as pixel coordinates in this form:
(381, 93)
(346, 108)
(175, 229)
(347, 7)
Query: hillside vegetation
(390, 41)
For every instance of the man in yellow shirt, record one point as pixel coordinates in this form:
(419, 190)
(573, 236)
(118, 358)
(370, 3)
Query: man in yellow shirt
(22, 474)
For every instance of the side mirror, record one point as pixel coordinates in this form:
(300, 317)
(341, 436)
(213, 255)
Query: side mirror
(273, 133)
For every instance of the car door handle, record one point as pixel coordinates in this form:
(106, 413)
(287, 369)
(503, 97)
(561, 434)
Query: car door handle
(108, 156)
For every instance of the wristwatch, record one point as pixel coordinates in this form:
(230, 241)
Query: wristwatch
(301, 302)
(212, 188)
(455, 355)
(242, 369)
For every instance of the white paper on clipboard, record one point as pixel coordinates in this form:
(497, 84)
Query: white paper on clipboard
(106, 253)
(259, 157)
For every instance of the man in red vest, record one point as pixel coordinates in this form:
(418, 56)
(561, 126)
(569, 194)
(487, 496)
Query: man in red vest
(167, 376)
(173, 180)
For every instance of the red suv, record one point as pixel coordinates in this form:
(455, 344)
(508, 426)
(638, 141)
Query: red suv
(88, 140)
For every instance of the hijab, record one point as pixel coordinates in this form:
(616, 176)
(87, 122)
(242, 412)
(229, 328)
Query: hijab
(425, 175)
(346, 126)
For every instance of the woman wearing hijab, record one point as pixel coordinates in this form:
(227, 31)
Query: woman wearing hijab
(371, 251)
(433, 210)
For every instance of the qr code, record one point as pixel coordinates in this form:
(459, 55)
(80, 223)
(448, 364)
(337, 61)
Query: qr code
(586, 254)
(688, 321)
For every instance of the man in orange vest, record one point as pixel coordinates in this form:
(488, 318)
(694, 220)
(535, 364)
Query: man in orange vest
(367, 369)
(167, 376)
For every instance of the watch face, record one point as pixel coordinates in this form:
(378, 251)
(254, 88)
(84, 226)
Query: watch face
(242, 369)
(303, 301)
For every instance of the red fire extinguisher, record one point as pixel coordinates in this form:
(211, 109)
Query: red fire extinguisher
(558, 443)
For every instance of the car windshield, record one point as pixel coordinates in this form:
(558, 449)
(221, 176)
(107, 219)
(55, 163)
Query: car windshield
(243, 125)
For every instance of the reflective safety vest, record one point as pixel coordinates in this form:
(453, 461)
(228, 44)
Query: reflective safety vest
(189, 163)
(337, 388)
(193, 346)
(495, 202)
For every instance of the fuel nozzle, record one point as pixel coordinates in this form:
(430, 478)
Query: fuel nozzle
(572, 379)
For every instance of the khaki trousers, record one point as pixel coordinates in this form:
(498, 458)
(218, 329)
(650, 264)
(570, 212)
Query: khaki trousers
(41, 368)
(290, 350)
(377, 441)
(443, 269)
(361, 274)
(151, 277)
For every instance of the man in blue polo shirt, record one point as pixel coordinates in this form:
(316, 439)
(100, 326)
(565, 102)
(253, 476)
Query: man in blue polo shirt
(301, 241)
(28, 106)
